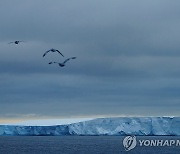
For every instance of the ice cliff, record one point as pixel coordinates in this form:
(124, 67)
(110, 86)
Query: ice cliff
(103, 126)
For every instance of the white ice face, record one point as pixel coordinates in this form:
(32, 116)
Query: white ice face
(101, 126)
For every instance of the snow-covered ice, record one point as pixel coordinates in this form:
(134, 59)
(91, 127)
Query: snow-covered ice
(103, 126)
(50, 122)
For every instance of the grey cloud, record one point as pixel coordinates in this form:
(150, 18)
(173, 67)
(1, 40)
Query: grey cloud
(127, 57)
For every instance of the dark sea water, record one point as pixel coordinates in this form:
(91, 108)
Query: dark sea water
(80, 145)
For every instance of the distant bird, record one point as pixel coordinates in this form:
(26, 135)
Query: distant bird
(53, 50)
(15, 42)
(62, 64)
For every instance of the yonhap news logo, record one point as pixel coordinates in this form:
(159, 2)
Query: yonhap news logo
(130, 142)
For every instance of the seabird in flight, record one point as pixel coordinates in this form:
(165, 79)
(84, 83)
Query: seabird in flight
(15, 42)
(53, 50)
(62, 64)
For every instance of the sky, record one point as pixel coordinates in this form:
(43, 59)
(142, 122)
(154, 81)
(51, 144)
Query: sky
(128, 58)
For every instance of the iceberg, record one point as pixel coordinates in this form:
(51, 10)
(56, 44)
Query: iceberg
(101, 126)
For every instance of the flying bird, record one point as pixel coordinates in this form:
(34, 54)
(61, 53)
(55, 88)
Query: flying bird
(62, 64)
(53, 50)
(15, 42)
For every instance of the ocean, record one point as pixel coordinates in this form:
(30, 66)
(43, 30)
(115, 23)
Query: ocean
(87, 145)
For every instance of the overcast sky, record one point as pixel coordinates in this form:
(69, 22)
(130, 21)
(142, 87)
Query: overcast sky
(128, 58)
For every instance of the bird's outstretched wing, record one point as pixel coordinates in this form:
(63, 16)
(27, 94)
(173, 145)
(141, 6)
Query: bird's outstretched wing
(46, 53)
(52, 62)
(69, 59)
(10, 42)
(20, 41)
(60, 53)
